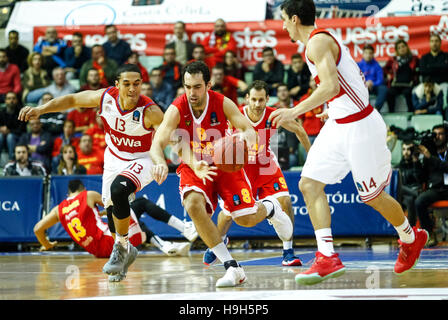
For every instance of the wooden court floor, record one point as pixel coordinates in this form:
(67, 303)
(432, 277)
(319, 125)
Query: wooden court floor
(77, 275)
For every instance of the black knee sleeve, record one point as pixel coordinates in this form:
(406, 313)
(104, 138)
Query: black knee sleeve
(110, 219)
(142, 205)
(120, 190)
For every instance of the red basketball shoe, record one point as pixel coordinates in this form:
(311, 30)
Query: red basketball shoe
(410, 252)
(322, 269)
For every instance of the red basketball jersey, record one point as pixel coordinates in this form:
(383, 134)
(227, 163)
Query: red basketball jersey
(82, 223)
(202, 131)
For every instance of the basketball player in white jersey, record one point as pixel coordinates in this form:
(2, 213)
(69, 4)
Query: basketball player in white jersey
(129, 121)
(352, 139)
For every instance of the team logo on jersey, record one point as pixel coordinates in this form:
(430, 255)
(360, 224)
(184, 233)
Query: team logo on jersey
(187, 122)
(214, 119)
(236, 200)
(276, 186)
(136, 116)
(268, 124)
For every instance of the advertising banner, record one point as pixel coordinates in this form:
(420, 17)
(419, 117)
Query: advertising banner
(252, 37)
(21, 205)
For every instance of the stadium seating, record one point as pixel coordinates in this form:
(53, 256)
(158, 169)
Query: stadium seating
(423, 122)
(397, 119)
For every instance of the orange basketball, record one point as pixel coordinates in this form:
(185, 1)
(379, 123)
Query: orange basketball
(230, 154)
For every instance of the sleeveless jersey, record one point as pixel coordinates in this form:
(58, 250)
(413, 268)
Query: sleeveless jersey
(353, 95)
(202, 131)
(82, 223)
(265, 131)
(126, 135)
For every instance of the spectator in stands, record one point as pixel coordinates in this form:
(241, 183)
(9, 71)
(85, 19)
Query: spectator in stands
(22, 166)
(17, 54)
(434, 64)
(75, 56)
(198, 54)
(134, 59)
(97, 133)
(52, 49)
(181, 44)
(106, 67)
(84, 118)
(147, 89)
(436, 166)
(9, 77)
(310, 122)
(412, 178)
(35, 77)
(284, 98)
(227, 84)
(60, 86)
(162, 91)
(67, 137)
(52, 123)
(401, 72)
(89, 157)
(270, 70)
(298, 77)
(39, 142)
(374, 75)
(10, 127)
(218, 43)
(92, 81)
(68, 163)
(171, 69)
(427, 97)
(233, 67)
(115, 48)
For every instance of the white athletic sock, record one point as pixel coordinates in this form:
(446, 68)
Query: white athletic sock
(221, 252)
(324, 241)
(287, 245)
(156, 241)
(269, 207)
(123, 240)
(176, 223)
(405, 232)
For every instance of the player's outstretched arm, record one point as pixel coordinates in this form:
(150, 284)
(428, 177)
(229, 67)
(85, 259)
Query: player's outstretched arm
(84, 99)
(295, 127)
(39, 229)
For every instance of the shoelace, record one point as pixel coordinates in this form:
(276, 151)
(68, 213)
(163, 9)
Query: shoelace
(117, 255)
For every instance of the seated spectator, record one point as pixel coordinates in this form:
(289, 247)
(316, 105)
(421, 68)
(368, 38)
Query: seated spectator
(218, 43)
(434, 64)
(92, 159)
(162, 91)
(35, 77)
(67, 137)
(198, 54)
(9, 77)
(310, 122)
(84, 118)
(228, 85)
(93, 81)
(75, 56)
(435, 165)
(401, 72)
(233, 67)
(52, 123)
(97, 133)
(115, 48)
(39, 142)
(298, 77)
(52, 49)
(284, 99)
(412, 178)
(17, 54)
(134, 59)
(22, 165)
(147, 89)
(11, 128)
(373, 73)
(105, 66)
(59, 87)
(270, 70)
(68, 163)
(181, 44)
(427, 98)
(171, 69)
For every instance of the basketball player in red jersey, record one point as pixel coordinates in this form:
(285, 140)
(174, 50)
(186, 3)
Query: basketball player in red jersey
(192, 122)
(352, 139)
(264, 173)
(129, 121)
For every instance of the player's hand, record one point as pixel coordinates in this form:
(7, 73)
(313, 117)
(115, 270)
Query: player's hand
(282, 115)
(51, 246)
(160, 172)
(28, 113)
(323, 115)
(204, 171)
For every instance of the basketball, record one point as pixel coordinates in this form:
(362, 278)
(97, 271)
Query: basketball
(230, 154)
